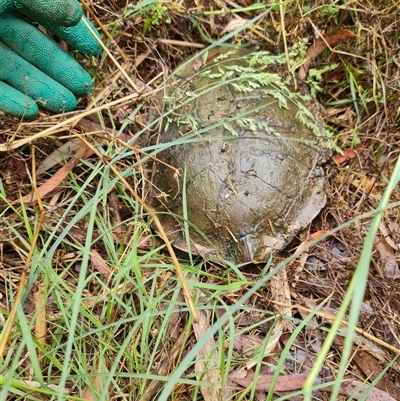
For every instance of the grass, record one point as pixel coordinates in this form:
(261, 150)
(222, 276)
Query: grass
(102, 314)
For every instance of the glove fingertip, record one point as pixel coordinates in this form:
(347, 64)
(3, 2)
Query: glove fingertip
(16, 103)
(60, 12)
(78, 36)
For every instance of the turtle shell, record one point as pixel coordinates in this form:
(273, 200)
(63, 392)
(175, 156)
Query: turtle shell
(249, 160)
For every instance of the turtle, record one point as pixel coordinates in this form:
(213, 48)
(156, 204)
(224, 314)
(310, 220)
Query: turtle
(250, 157)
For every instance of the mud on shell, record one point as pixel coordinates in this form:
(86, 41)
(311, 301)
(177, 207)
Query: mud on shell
(249, 153)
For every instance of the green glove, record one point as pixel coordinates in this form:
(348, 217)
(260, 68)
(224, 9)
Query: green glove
(34, 69)
(63, 12)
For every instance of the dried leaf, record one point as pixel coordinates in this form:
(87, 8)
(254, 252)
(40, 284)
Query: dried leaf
(336, 75)
(280, 293)
(329, 39)
(388, 231)
(167, 366)
(174, 324)
(79, 234)
(64, 152)
(41, 316)
(206, 360)
(97, 383)
(305, 244)
(313, 237)
(273, 343)
(371, 369)
(99, 263)
(234, 24)
(91, 126)
(348, 154)
(286, 383)
(356, 389)
(369, 184)
(55, 180)
(314, 333)
(390, 266)
(87, 395)
(15, 169)
(207, 366)
(247, 345)
(145, 242)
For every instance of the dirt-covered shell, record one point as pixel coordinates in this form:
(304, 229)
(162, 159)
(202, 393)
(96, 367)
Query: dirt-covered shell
(245, 145)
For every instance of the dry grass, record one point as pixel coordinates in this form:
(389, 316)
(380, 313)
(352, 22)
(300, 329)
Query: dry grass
(131, 313)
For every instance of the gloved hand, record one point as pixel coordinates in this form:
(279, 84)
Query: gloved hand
(34, 70)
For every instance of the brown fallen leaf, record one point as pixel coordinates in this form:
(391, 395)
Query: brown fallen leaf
(14, 169)
(312, 237)
(356, 390)
(206, 366)
(329, 39)
(55, 180)
(369, 184)
(167, 365)
(208, 360)
(390, 267)
(59, 156)
(91, 126)
(41, 317)
(100, 264)
(273, 342)
(97, 382)
(145, 242)
(389, 231)
(63, 152)
(303, 246)
(245, 344)
(371, 369)
(335, 75)
(348, 154)
(286, 383)
(280, 292)
(234, 24)
(174, 325)
(313, 332)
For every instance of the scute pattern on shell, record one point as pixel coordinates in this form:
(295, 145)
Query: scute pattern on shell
(249, 157)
